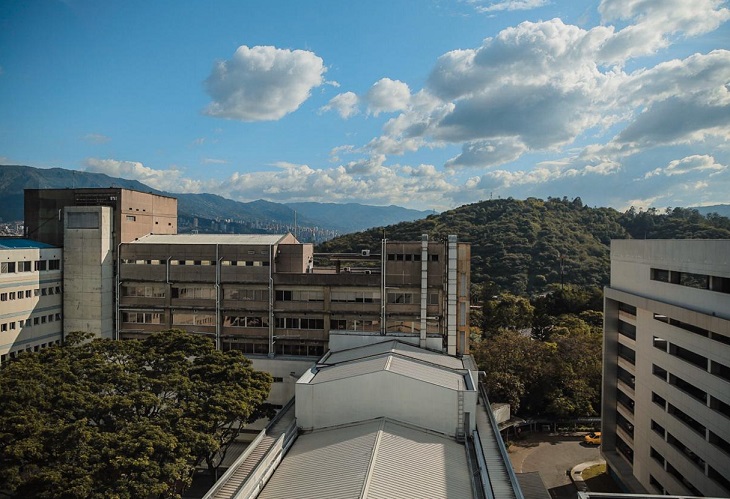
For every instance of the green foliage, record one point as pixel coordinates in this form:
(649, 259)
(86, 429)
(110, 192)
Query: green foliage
(102, 418)
(529, 247)
(506, 311)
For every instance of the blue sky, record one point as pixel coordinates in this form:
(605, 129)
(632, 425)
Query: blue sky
(426, 104)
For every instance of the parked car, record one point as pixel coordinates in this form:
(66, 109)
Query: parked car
(593, 438)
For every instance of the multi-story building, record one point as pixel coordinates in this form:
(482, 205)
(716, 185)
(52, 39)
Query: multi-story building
(127, 273)
(264, 295)
(666, 374)
(134, 213)
(30, 296)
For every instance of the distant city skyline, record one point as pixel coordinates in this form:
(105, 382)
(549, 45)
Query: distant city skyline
(424, 104)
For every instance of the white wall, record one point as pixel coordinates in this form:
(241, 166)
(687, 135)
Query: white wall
(282, 392)
(380, 394)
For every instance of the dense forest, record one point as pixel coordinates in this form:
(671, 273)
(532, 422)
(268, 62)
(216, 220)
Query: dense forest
(525, 246)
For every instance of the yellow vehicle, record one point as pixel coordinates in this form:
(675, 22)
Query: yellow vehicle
(593, 438)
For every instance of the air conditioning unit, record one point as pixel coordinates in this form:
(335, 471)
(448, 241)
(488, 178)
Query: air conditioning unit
(365, 252)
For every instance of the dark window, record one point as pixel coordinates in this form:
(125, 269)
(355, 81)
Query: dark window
(686, 419)
(660, 275)
(625, 307)
(659, 429)
(698, 281)
(626, 329)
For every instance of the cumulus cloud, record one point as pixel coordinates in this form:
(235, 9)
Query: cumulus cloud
(653, 25)
(262, 83)
(171, 180)
(346, 104)
(388, 95)
(486, 153)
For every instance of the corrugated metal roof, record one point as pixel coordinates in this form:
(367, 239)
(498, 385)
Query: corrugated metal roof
(375, 459)
(20, 243)
(350, 369)
(395, 346)
(404, 366)
(210, 239)
(417, 464)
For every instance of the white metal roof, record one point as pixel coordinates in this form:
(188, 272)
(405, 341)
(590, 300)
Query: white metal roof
(374, 459)
(264, 239)
(394, 346)
(394, 363)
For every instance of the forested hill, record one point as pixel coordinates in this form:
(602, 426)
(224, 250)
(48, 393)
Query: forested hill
(519, 245)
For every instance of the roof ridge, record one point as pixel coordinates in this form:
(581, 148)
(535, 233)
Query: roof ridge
(371, 464)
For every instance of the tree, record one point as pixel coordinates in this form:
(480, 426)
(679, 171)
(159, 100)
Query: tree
(105, 418)
(506, 311)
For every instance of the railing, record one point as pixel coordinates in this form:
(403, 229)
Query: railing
(483, 476)
(500, 443)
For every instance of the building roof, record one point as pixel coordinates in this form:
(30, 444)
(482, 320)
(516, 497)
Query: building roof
(405, 366)
(374, 459)
(393, 346)
(263, 239)
(20, 243)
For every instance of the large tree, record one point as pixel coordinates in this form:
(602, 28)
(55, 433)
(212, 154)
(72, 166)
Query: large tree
(104, 418)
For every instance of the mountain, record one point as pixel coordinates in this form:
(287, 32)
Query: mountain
(344, 216)
(526, 246)
(210, 212)
(721, 209)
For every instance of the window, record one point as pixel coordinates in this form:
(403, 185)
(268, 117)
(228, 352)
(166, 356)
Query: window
(246, 321)
(54, 264)
(629, 309)
(3, 327)
(83, 220)
(28, 293)
(626, 329)
(433, 298)
(11, 295)
(131, 218)
(24, 266)
(7, 267)
(40, 265)
(12, 325)
(3, 297)
(698, 281)
(404, 298)
(658, 429)
(193, 318)
(142, 317)
(434, 258)
(686, 419)
(660, 275)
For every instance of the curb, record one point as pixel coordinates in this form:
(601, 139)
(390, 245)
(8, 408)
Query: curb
(576, 474)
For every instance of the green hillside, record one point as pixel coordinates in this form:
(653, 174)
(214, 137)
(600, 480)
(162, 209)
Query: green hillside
(520, 245)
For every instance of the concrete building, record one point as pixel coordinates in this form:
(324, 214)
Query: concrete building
(134, 213)
(31, 286)
(264, 295)
(666, 378)
(385, 419)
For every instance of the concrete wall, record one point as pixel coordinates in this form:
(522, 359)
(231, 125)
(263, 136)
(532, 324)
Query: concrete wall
(282, 391)
(88, 299)
(31, 306)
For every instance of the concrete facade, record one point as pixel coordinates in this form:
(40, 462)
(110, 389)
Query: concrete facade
(134, 213)
(88, 298)
(31, 281)
(666, 379)
(266, 296)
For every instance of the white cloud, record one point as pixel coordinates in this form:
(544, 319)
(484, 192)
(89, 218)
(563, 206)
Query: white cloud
(653, 25)
(214, 161)
(96, 138)
(690, 164)
(486, 153)
(170, 180)
(346, 104)
(513, 5)
(388, 95)
(199, 141)
(263, 83)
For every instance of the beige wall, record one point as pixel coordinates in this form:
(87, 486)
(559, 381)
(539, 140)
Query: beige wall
(35, 321)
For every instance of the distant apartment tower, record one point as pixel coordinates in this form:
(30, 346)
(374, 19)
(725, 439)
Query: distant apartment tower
(263, 295)
(30, 296)
(666, 370)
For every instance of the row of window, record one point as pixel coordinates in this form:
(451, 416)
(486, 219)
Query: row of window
(688, 388)
(143, 291)
(29, 266)
(297, 348)
(706, 469)
(29, 322)
(209, 263)
(34, 348)
(410, 257)
(143, 317)
(697, 360)
(689, 279)
(693, 329)
(29, 293)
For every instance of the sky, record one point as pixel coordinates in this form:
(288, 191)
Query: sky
(426, 104)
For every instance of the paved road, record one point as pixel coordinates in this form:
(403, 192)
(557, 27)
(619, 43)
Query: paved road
(552, 455)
